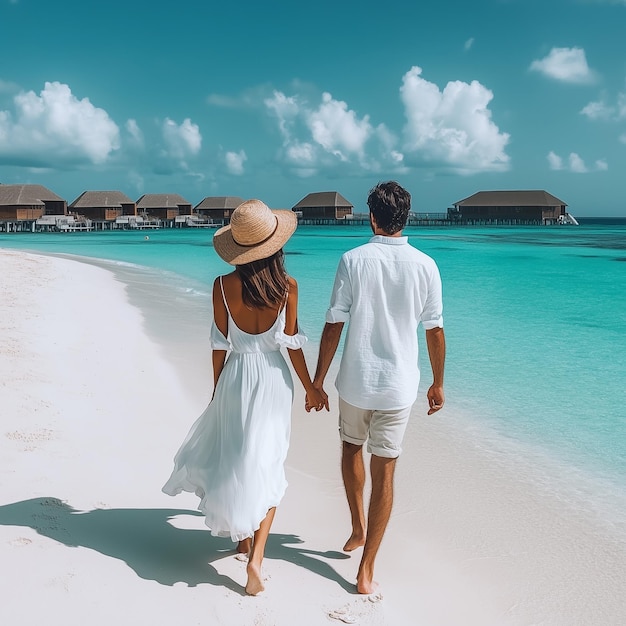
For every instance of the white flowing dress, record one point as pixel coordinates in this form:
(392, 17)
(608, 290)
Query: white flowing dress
(233, 457)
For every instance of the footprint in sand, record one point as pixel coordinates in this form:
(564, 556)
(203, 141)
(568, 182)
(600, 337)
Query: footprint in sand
(20, 541)
(345, 614)
(342, 614)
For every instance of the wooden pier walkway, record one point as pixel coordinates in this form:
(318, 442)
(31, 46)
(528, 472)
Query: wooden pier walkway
(61, 223)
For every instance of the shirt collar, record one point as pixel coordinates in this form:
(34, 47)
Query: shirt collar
(393, 241)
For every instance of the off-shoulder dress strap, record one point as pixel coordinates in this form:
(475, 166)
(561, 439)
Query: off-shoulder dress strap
(224, 297)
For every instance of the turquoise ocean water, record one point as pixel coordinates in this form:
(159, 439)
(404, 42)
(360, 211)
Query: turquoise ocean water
(535, 322)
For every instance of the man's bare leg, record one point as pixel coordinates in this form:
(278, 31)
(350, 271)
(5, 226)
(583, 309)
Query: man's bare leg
(382, 470)
(255, 581)
(353, 472)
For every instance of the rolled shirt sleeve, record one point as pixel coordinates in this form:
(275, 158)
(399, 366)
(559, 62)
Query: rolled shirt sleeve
(341, 297)
(432, 314)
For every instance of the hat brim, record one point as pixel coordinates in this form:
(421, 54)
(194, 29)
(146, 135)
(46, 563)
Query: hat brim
(235, 254)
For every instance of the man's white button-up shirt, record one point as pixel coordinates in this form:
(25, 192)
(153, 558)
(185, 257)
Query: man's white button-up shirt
(383, 289)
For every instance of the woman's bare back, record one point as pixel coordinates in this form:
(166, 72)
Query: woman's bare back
(251, 320)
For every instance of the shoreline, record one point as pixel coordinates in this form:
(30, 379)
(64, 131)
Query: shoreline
(465, 527)
(180, 331)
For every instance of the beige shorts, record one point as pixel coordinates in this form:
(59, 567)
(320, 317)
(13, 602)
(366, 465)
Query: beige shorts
(382, 429)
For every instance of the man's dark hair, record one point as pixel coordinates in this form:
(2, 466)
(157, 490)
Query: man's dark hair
(389, 204)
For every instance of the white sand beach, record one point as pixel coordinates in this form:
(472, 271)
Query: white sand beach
(93, 409)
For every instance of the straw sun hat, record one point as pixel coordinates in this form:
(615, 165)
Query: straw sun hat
(255, 232)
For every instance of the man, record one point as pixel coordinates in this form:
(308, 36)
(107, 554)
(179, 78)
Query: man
(384, 289)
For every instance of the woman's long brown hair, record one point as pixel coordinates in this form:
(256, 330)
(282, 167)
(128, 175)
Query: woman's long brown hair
(264, 282)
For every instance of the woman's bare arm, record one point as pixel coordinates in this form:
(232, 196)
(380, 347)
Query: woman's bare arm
(220, 315)
(314, 398)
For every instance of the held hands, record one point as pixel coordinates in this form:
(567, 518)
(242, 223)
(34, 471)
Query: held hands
(436, 398)
(316, 399)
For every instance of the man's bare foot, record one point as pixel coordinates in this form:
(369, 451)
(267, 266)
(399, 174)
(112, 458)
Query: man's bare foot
(244, 546)
(365, 585)
(356, 541)
(255, 582)
(364, 580)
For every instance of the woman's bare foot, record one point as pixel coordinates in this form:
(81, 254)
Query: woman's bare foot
(357, 539)
(244, 546)
(255, 581)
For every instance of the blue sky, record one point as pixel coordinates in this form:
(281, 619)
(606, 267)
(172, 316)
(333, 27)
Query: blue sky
(278, 99)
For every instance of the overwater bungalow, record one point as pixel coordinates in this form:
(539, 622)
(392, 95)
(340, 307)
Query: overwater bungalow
(324, 205)
(103, 205)
(217, 208)
(511, 207)
(163, 206)
(23, 207)
(29, 202)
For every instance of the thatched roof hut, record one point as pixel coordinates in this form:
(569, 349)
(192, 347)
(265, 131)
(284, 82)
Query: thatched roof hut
(525, 205)
(29, 202)
(103, 205)
(164, 206)
(324, 204)
(218, 208)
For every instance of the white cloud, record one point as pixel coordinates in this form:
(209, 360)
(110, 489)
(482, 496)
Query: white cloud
(600, 110)
(602, 165)
(302, 153)
(567, 65)
(575, 163)
(329, 135)
(303, 156)
(452, 127)
(388, 140)
(182, 141)
(469, 43)
(250, 98)
(337, 129)
(136, 136)
(286, 110)
(56, 128)
(235, 161)
(299, 155)
(555, 161)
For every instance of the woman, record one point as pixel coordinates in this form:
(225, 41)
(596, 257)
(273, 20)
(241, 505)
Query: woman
(234, 454)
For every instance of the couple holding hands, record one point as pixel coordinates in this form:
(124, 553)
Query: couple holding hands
(233, 457)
